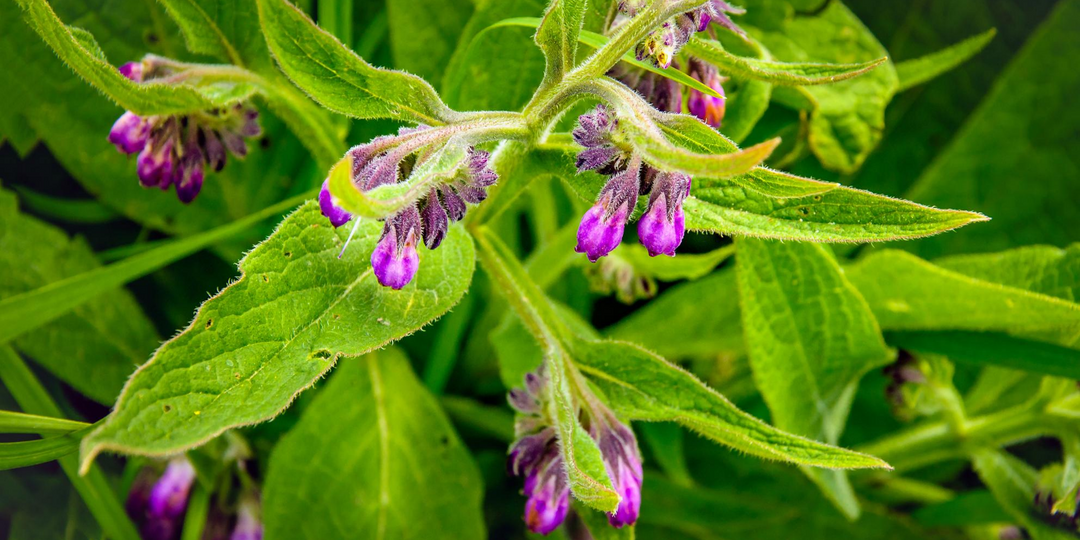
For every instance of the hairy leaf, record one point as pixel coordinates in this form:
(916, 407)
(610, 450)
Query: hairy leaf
(81, 53)
(920, 70)
(783, 73)
(373, 452)
(558, 34)
(339, 79)
(222, 28)
(252, 348)
(810, 338)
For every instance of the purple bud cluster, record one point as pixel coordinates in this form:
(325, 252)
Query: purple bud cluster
(395, 259)
(664, 43)
(661, 227)
(174, 150)
(535, 455)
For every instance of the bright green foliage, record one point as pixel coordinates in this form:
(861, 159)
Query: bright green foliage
(95, 346)
(1044, 269)
(301, 309)
(810, 338)
(373, 455)
(1013, 484)
(221, 28)
(424, 34)
(339, 79)
(782, 73)
(14, 422)
(920, 70)
(77, 49)
(557, 36)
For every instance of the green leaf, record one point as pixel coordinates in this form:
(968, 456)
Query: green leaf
(840, 215)
(339, 79)
(585, 470)
(15, 422)
(424, 33)
(24, 454)
(558, 35)
(91, 341)
(782, 73)
(993, 349)
(810, 338)
(221, 28)
(252, 348)
(92, 485)
(1013, 484)
(908, 293)
(1023, 128)
(596, 523)
(24, 312)
(970, 508)
(374, 453)
(1043, 269)
(665, 439)
(65, 209)
(920, 70)
(847, 118)
(745, 108)
(675, 326)
(684, 266)
(644, 386)
(78, 50)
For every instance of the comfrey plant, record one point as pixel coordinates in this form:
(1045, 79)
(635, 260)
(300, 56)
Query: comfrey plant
(619, 114)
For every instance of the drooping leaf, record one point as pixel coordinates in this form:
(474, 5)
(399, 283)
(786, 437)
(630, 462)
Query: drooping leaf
(810, 338)
(92, 346)
(339, 79)
(558, 34)
(78, 50)
(1023, 129)
(251, 349)
(373, 453)
(908, 293)
(782, 73)
(643, 386)
(920, 70)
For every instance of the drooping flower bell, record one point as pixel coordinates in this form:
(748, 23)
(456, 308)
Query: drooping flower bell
(707, 108)
(248, 520)
(173, 149)
(662, 226)
(378, 163)
(535, 455)
(622, 460)
(158, 507)
(602, 226)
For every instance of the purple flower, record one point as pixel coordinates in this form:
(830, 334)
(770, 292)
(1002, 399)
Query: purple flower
(133, 71)
(602, 226)
(130, 133)
(622, 460)
(707, 108)
(548, 493)
(662, 226)
(248, 524)
(435, 220)
(535, 455)
(337, 215)
(664, 43)
(161, 513)
(395, 260)
(155, 164)
(662, 93)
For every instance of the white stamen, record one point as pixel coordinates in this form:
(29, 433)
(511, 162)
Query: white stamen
(351, 233)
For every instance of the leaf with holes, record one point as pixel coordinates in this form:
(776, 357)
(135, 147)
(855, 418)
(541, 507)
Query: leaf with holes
(253, 347)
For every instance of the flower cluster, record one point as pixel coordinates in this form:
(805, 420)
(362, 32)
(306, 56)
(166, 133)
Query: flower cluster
(175, 149)
(661, 227)
(535, 455)
(664, 43)
(395, 260)
(158, 504)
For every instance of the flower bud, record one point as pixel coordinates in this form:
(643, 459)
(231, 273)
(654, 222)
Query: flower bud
(133, 71)
(622, 460)
(535, 455)
(395, 260)
(337, 215)
(167, 502)
(130, 133)
(662, 226)
(155, 164)
(707, 108)
(435, 220)
(602, 226)
(248, 523)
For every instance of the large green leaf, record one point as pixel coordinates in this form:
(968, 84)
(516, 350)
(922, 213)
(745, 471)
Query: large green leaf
(96, 345)
(783, 73)
(373, 452)
(339, 79)
(424, 34)
(847, 117)
(252, 348)
(810, 338)
(908, 293)
(1014, 157)
(77, 48)
(222, 28)
(1042, 269)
